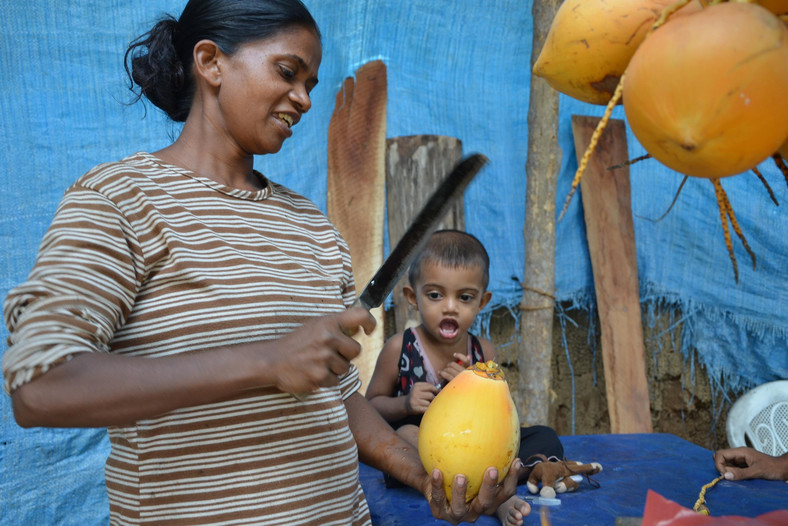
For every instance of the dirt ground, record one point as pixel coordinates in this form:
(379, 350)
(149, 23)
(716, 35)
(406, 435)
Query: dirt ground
(682, 400)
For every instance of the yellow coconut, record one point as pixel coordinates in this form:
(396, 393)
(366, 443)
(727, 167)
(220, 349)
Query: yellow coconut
(470, 426)
(707, 94)
(590, 43)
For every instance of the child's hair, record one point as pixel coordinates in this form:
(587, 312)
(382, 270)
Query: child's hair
(451, 248)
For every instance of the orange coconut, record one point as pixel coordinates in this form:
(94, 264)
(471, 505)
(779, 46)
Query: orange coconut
(471, 425)
(590, 43)
(705, 94)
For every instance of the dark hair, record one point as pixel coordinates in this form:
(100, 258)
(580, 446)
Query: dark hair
(451, 248)
(160, 61)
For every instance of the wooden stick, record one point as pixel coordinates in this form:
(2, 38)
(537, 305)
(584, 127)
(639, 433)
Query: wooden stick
(535, 356)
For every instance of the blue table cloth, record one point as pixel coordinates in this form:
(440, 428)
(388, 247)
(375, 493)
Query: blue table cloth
(632, 464)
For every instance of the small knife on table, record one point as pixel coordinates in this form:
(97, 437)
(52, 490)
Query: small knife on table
(417, 234)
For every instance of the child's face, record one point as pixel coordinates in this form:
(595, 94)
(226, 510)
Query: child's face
(448, 300)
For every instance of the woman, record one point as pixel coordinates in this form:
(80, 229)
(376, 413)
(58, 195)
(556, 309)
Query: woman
(180, 298)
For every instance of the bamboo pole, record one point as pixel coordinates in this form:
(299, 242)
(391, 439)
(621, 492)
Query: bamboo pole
(537, 305)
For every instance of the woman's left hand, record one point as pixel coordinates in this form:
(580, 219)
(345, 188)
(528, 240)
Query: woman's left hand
(491, 495)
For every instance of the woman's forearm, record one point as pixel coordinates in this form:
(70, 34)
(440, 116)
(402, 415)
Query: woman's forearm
(100, 390)
(381, 447)
(391, 408)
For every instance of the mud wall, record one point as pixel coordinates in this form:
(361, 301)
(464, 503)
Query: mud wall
(683, 401)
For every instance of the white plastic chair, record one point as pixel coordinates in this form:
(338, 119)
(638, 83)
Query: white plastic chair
(759, 419)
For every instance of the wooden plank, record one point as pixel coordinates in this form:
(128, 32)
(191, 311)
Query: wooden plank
(356, 185)
(611, 243)
(415, 166)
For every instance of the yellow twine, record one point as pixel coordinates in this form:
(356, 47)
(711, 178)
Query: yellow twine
(700, 504)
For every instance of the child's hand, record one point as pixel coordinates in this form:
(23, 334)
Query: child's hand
(455, 367)
(419, 398)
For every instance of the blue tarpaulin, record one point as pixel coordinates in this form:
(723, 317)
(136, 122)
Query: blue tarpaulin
(454, 68)
(632, 464)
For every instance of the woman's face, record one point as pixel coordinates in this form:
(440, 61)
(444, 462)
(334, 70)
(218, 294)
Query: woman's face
(265, 88)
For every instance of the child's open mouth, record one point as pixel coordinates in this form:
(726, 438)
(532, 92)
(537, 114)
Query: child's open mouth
(449, 328)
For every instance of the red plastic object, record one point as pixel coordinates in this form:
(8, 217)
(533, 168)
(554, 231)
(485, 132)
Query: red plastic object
(660, 511)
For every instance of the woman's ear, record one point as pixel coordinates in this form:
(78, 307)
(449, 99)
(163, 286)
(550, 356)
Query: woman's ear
(410, 295)
(206, 62)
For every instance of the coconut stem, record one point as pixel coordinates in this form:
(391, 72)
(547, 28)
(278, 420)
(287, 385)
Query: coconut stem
(765, 183)
(780, 162)
(726, 214)
(719, 192)
(600, 127)
(736, 227)
(488, 369)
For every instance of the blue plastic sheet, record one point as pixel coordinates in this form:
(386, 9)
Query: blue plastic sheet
(454, 68)
(632, 465)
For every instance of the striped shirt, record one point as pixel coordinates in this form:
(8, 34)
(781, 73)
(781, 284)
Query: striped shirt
(146, 259)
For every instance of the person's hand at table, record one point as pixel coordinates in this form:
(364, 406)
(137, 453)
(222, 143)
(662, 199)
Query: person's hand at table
(743, 463)
(491, 494)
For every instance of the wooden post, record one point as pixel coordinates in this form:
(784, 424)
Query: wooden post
(534, 385)
(415, 166)
(356, 179)
(611, 244)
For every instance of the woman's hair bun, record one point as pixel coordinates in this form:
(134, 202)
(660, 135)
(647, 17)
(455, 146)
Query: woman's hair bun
(153, 64)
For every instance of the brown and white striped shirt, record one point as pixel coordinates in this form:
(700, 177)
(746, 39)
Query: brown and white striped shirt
(146, 259)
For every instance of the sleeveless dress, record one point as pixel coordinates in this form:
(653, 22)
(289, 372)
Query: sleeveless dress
(415, 367)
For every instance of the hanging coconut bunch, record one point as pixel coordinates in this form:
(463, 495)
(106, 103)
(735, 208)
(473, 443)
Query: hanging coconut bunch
(472, 424)
(705, 91)
(590, 43)
(721, 105)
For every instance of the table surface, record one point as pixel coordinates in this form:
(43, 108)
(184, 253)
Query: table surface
(632, 464)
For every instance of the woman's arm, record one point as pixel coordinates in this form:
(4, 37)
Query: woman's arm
(97, 389)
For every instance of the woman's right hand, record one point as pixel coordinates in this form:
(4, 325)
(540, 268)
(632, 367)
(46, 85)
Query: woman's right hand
(419, 398)
(319, 352)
